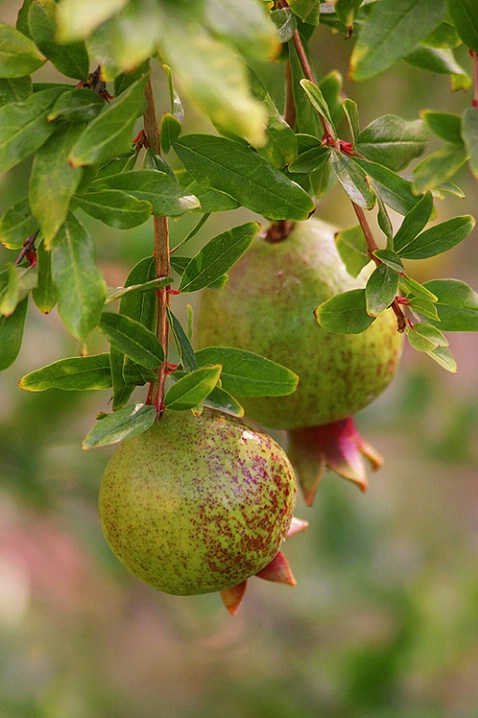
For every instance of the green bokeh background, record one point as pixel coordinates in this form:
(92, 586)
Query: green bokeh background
(383, 622)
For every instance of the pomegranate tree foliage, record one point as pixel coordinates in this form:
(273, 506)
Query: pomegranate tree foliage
(79, 135)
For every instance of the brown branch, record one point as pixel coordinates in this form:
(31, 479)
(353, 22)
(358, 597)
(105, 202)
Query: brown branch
(161, 254)
(290, 115)
(474, 57)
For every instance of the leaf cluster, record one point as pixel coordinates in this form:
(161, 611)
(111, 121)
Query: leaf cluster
(78, 135)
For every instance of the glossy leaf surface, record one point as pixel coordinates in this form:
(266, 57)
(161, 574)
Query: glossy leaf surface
(72, 374)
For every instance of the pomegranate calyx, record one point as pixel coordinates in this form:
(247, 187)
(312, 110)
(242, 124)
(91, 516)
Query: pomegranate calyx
(337, 446)
(232, 597)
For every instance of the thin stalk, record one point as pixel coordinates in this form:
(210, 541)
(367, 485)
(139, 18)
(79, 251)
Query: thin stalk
(161, 255)
(474, 57)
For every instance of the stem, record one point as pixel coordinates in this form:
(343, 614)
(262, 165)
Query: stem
(290, 115)
(371, 243)
(474, 57)
(28, 246)
(161, 254)
(328, 131)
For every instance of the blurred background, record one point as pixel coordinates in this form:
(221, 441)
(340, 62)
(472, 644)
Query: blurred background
(384, 620)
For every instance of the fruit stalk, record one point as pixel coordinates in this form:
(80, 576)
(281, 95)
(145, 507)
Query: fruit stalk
(161, 254)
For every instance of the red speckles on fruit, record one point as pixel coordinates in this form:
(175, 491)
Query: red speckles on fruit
(197, 503)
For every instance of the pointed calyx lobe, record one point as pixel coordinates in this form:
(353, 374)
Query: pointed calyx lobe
(337, 446)
(278, 571)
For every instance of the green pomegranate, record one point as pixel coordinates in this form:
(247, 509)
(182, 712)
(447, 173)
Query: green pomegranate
(268, 307)
(199, 504)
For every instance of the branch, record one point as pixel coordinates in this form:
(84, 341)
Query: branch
(161, 254)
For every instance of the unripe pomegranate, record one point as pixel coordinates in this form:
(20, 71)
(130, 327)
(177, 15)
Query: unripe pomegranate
(268, 307)
(199, 504)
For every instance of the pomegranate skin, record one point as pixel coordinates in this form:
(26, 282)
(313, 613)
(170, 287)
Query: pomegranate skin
(197, 504)
(268, 307)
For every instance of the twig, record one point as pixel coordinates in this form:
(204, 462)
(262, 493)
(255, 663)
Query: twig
(161, 254)
(474, 57)
(28, 246)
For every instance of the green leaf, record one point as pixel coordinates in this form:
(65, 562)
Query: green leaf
(439, 167)
(392, 141)
(464, 16)
(192, 389)
(457, 305)
(345, 313)
(424, 308)
(444, 358)
(441, 62)
(186, 352)
(140, 306)
(123, 424)
(115, 208)
(311, 159)
(438, 239)
(177, 109)
(240, 172)
(121, 389)
(164, 194)
(307, 10)
(53, 181)
(45, 293)
(346, 11)
(353, 179)
(393, 29)
(19, 283)
(72, 374)
(247, 374)
(413, 222)
(78, 18)
(445, 125)
(285, 22)
(169, 131)
(390, 259)
(120, 292)
(308, 120)
(223, 401)
(124, 42)
(11, 335)
(132, 339)
(80, 284)
(444, 36)
(72, 59)
(317, 101)
(217, 256)
(136, 374)
(211, 200)
(211, 74)
(24, 127)
(415, 289)
(281, 146)
(17, 224)
(331, 87)
(15, 89)
(426, 337)
(245, 25)
(470, 136)
(394, 190)
(381, 289)
(19, 56)
(110, 133)
(78, 105)
(352, 114)
(352, 247)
